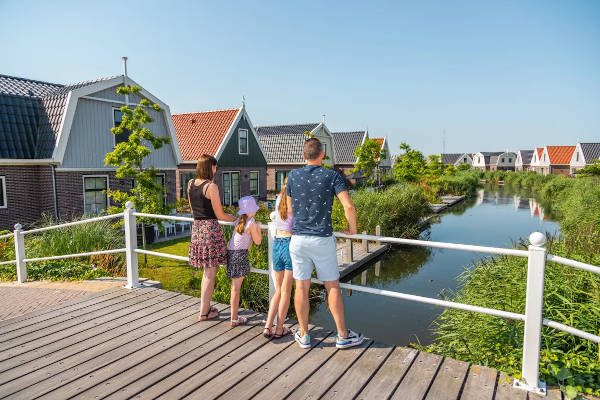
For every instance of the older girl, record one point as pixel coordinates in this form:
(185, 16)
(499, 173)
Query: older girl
(207, 247)
(282, 265)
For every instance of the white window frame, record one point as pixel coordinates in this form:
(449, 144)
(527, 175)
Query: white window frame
(3, 188)
(107, 188)
(247, 141)
(257, 183)
(230, 191)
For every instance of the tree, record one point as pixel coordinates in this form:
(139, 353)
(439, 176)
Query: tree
(369, 155)
(435, 167)
(147, 195)
(463, 167)
(590, 169)
(410, 166)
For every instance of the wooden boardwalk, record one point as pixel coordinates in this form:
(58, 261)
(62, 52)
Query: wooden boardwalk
(361, 255)
(146, 343)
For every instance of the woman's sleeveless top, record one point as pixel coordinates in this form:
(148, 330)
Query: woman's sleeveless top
(201, 205)
(282, 224)
(243, 241)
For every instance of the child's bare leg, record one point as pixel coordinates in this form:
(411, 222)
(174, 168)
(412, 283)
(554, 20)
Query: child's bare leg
(236, 285)
(274, 306)
(284, 302)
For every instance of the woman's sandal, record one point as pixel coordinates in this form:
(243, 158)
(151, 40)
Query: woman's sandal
(239, 321)
(204, 317)
(284, 332)
(268, 335)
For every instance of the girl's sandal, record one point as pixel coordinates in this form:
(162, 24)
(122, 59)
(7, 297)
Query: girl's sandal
(205, 317)
(284, 332)
(239, 321)
(267, 333)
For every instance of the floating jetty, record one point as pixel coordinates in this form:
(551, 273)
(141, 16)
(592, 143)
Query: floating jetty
(447, 201)
(353, 255)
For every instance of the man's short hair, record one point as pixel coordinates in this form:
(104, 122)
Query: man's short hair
(312, 149)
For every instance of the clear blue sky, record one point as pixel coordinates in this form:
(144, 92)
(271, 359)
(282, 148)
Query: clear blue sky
(493, 74)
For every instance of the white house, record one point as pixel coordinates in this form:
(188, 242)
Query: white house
(584, 154)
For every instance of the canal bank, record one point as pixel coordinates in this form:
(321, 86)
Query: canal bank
(495, 217)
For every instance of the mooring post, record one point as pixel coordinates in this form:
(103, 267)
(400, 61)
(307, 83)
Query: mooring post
(20, 254)
(349, 253)
(378, 233)
(131, 257)
(365, 243)
(534, 304)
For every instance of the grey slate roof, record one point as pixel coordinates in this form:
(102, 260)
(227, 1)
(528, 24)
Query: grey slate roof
(283, 143)
(491, 157)
(30, 116)
(526, 156)
(450, 158)
(344, 144)
(591, 151)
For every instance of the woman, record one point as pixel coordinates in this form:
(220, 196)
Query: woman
(207, 247)
(282, 265)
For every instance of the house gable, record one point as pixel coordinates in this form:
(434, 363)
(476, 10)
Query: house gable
(229, 155)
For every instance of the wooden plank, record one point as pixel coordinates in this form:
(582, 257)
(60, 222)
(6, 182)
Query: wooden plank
(506, 391)
(480, 385)
(419, 377)
(327, 375)
(385, 380)
(295, 374)
(190, 371)
(350, 384)
(42, 381)
(170, 374)
(263, 377)
(66, 320)
(112, 377)
(553, 394)
(69, 327)
(219, 384)
(48, 316)
(449, 380)
(64, 348)
(65, 306)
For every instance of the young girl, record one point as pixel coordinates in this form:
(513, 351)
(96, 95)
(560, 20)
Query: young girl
(246, 232)
(282, 265)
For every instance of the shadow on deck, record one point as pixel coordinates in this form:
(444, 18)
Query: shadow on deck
(147, 343)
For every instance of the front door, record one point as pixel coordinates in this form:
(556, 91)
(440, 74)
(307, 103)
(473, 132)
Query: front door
(231, 188)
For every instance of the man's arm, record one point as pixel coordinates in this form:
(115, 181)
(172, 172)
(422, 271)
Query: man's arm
(349, 211)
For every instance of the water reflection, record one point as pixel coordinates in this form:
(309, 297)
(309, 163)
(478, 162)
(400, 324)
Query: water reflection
(494, 217)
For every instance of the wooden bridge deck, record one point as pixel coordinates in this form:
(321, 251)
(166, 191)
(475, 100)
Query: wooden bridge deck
(147, 343)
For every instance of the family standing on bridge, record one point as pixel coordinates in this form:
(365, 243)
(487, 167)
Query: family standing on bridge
(303, 241)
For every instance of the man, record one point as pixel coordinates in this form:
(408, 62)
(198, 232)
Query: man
(310, 191)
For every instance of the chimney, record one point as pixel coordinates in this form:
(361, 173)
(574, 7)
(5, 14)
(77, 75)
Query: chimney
(124, 66)
(323, 118)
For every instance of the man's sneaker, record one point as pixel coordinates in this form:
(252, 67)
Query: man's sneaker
(303, 341)
(353, 339)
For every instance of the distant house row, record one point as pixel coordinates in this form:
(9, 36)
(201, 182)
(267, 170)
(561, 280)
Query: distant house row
(53, 140)
(561, 160)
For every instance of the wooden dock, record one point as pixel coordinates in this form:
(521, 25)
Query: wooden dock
(353, 255)
(447, 202)
(146, 343)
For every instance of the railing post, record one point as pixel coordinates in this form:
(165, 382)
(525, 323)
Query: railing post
(378, 233)
(271, 239)
(349, 253)
(20, 254)
(365, 243)
(130, 227)
(534, 304)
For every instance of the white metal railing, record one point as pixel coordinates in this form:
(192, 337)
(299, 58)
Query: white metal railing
(536, 255)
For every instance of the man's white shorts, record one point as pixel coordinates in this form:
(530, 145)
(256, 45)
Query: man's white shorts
(317, 252)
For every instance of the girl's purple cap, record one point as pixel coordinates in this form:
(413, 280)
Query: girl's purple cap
(247, 205)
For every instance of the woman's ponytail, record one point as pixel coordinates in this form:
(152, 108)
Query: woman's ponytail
(283, 206)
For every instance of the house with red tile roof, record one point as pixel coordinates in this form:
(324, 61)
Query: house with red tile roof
(230, 137)
(556, 160)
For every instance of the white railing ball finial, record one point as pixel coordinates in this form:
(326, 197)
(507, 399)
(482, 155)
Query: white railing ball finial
(18, 227)
(129, 205)
(537, 239)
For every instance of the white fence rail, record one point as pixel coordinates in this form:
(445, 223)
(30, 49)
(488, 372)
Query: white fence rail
(533, 317)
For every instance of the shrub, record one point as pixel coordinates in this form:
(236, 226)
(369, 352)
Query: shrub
(462, 183)
(399, 210)
(53, 270)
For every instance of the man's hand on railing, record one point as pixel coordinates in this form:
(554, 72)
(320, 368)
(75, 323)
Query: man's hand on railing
(349, 231)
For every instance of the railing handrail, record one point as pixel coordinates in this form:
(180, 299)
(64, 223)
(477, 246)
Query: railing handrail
(536, 254)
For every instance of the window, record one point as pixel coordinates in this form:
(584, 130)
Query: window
(231, 188)
(465, 159)
(184, 178)
(254, 183)
(118, 118)
(243, 141)
(3, 202)
(160, 181)
(544, 157)
(510, 160)
(325, 148)
(503, 159)
(95, 194)
(577, 156)
(280, 179)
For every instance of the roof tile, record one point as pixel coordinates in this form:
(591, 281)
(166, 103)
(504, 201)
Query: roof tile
(283, 144)
(560, 155)
(344, 144)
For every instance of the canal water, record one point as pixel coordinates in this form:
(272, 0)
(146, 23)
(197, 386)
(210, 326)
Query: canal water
(496, 217)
